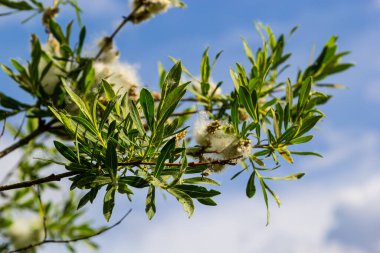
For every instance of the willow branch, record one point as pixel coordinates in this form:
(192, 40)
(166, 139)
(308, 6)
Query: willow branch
(51, 178)
(117, 30)
(184, 113)
(190, 164)
(41, 129)
(46, 241)
(58, 177)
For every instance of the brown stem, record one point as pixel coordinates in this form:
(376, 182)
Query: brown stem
(45, 241)
(190, 164)
(51, 178)
(41, 129)
(58, 177)
(192, 112)
(117, 30)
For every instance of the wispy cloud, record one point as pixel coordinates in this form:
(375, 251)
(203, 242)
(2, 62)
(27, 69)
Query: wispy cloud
(372, 92)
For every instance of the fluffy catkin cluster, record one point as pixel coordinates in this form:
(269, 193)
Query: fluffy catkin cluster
(122, 76)
(24, 231)
(147, 9)
(218, 138)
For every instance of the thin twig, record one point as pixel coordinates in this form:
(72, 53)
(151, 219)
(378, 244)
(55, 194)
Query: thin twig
(41, 129)
(74, 239)
(184, 113)
(42, 208)
(193, 99)
(58, 177)
(117, 30)
(51, 178)
(190, 164)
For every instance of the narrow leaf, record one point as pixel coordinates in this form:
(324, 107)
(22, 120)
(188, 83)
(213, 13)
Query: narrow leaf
(184, 199)
(251, 189)
(109, 203)
(150, 207)
(164, 154)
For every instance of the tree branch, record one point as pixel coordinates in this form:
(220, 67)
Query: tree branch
(51, 178)
(58, 177)
(184, 113)
(46, 241)
(41, 129)
(117, 30)
(190, 164)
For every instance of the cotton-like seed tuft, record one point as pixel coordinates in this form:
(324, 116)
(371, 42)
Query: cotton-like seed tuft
(23, 232)
(148, 9)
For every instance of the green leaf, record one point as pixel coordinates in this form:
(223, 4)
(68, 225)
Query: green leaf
(85, 123)
(164, 154)
(276, 123)
(195, 191)
(288, 134)
(85, 199)
(304, 94)
(107, 112)
(100, 181)
(57, 31)
(273, 194)
(251, 188)
(248, 100)
(289, 93)
(248, 52)
(234, 79)
(10, 103)
(18, 5)
(257, 160)
(263, 188)
(136, 117)
(124, 189)
(285, 154)
(331, 85)
(110, 93)
(289, 177)
(82, 36)
(66, 151)
(77, 100)
(134, 181)
(306, 153)
(184, 199)
(200, 180)
(207, 202)
(109, 203)
(171, 81)
(150, 207)
(111, 159)
(147, 104)
(235, 114)
(301, 139)
(205, 67)
(237, 174)
(179, 173)
(307, 124)
(169, 104)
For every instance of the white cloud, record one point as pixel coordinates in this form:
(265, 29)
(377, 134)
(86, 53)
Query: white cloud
(103, 7)
(237, 225)
(345, 150)
(372, 92)
(357, 215)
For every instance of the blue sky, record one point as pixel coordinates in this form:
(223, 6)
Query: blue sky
(333, 209)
